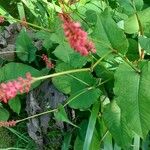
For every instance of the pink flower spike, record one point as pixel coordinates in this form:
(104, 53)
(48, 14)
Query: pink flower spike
(77, 38)
(48, 63)
(7, 123)
(10, 89)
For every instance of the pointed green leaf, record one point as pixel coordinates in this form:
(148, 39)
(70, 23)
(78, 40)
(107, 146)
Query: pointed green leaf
(131, 24)
(145, 43)
(45, 37)
(74, 82)
(24, 47)
(107, 34)
(91, 126)
(128, 6)
(61, 115)
(12, 71)
(63, 51)
(76, 60)
(83, 99)
(133, 53)
(117, 125)
(4, 114)
(15, 104)
(133, 97)
(62, 83)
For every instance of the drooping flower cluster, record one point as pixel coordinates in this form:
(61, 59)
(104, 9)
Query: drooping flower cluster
(10, 89)
(77, 38)
(48, 63)
(1, 19)
(7, 123)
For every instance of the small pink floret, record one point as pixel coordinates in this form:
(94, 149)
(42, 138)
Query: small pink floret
(48, 63)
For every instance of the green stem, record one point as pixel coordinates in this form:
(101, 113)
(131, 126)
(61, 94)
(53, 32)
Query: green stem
(105, 134)
(100, 60)
(30, 24)
(141, 32)
(82, 92)
(36, 115)
(120, 55)
(60, 73)
(54, 110)
(129, 63)
(9, 52)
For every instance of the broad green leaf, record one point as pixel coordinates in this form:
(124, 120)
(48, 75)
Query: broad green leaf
(91, 126)
(81, 80)
(145, 43)
(58, 36)
(61, 115)
(63, 51)
(74, 82)
(83, 99)
(133, 53)
(76, 60)
(117, 125)
(133, 97)
(4, 114)
(105, 75)
(107, 34)
(12, 71)
(128, 6)
(131, 24)
(91, 16)
(25, 48)
(15, 104)
(45, 37)
(62, 83)
(93, 5)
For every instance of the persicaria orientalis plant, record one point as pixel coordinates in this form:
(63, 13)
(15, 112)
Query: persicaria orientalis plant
(104, 71)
